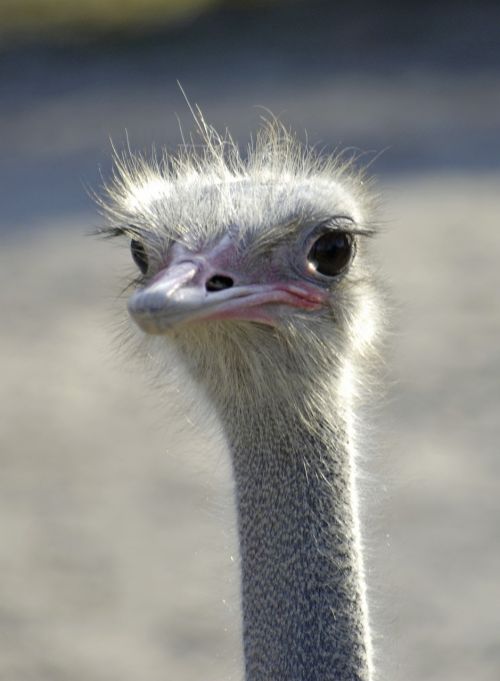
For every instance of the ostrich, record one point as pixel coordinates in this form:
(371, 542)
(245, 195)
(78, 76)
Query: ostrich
(256, 271)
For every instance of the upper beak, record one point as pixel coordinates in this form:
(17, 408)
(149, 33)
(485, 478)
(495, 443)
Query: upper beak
(181, 293)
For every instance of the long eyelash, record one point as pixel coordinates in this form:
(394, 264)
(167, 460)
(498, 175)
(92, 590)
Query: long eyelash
(130, 231)
(362, 232)
(345, 224)
(108, 232)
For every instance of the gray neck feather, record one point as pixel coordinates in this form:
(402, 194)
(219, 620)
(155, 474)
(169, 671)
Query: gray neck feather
(304, 612)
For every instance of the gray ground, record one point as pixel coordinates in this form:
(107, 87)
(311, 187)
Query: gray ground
(117, 551)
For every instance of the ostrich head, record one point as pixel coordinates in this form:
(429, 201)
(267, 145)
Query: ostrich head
(255, 269)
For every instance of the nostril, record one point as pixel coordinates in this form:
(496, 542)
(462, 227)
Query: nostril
(219, 282)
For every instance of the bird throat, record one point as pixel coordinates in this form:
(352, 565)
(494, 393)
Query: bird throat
(303, 601)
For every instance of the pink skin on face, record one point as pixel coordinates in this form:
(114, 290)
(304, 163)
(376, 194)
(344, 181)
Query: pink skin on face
(179, 293)
(253, 307)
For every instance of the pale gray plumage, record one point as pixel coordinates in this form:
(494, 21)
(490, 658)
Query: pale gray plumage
(284, 377)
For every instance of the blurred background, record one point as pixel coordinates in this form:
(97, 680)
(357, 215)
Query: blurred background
(118, 556)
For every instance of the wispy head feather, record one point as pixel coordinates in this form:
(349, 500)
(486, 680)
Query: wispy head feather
(262, 197)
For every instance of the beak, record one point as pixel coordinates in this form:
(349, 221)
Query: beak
(182, 293)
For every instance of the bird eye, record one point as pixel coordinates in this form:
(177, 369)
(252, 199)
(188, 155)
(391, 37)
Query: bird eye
(139, 255)
(331, 253)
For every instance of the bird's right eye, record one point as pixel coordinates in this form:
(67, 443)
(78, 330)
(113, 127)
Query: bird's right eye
(139, 255)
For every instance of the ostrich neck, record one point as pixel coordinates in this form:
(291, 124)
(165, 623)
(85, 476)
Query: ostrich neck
(304, 612)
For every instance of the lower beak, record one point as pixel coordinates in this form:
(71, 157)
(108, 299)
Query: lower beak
(177, 296)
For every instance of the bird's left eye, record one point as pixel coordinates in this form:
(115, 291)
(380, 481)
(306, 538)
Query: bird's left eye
(139, 255)
(331, 253)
